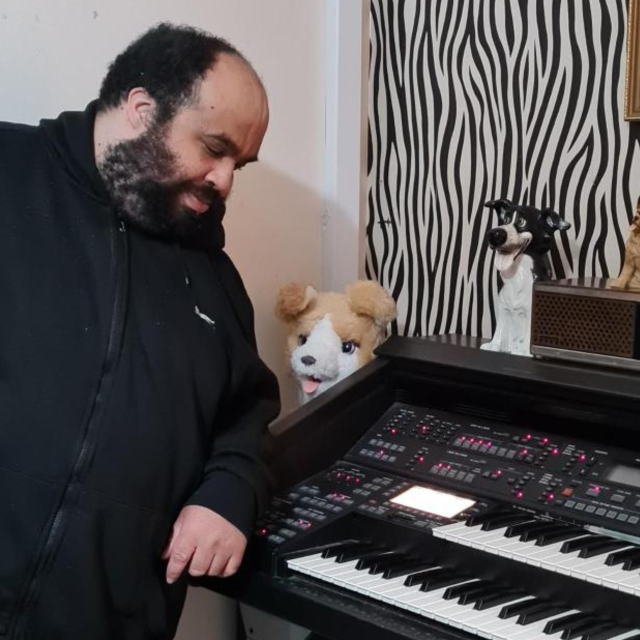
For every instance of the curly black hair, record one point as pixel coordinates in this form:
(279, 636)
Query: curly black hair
(166, 61)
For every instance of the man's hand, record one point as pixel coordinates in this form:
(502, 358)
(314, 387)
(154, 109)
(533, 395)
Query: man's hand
(205, 541)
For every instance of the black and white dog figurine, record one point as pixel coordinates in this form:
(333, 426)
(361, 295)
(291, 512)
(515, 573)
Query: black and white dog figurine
(521, 242)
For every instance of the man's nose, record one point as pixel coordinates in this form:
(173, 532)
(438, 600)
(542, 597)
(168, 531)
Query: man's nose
(221, 177)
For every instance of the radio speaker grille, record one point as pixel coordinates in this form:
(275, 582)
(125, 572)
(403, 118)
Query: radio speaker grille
(587, 324)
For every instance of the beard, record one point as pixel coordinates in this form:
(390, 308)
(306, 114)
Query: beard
(140, 176)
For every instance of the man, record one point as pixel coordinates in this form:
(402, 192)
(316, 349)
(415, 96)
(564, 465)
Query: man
(132, 400)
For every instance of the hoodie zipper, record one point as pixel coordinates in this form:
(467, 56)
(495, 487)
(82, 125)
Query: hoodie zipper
(85, 454)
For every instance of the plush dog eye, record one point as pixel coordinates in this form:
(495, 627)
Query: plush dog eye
(521, 223)
(349, 347)
(302, 340)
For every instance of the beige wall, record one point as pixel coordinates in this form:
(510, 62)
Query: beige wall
(53, 54)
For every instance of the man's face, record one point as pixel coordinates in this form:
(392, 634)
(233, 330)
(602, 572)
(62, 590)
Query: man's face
(174, 178)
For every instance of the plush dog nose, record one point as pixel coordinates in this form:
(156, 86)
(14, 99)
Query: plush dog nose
(497, 237)
(308, 360)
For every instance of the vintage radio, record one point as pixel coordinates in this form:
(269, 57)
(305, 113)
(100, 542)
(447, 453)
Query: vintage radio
(586, 320)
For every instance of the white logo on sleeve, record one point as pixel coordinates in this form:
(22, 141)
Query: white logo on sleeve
(205, 317)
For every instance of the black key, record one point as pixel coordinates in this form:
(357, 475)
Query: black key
(578, 630)
(498, 598)
(365, 563)
(536, 616)
(532, 534)
(407, 568)
(591, 629)
(473, 596)
(576, 545)
(418, 578)
(458, 590)
(558, 536)
(510, 610)
(621, 556)
(365, 551)
(612, 631)
(382, 564)
(439, 581)
(566, 622)
(481, 518)
(518, 529)
(631, 564)
(503, 521)
(334, 549)
(603, 547)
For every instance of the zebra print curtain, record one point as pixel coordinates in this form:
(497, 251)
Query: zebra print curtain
(471, 100)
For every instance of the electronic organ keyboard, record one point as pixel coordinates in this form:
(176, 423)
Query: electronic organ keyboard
(469, 495)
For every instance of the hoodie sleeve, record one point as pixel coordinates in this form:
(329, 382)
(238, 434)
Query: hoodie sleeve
(234, 483)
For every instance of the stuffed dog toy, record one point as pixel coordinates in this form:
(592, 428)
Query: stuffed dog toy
(630, 275)
(332, 334)
(521, 242)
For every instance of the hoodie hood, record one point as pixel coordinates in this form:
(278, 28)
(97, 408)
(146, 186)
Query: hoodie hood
(69, 138)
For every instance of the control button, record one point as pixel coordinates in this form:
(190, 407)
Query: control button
(600, 511)
(623, 517)
(287, 533)
(580, 506)
(493, 451)
(619, 499)
(460, 475)
(275, 539)
(469, 477)
(633, 520)
(570, 504)
(452, 473)
(593, 492)
(567, 492)
(434, 469)
(510, 455)
(510, 480)
(590, 509)
(502, 452)
(486, 474)
(612, 515)
(637, 503)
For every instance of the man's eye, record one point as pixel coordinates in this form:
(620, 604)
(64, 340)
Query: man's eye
(214, 153)
(349, 346)
(302, 340)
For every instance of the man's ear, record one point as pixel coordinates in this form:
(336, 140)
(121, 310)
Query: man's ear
(140, 109)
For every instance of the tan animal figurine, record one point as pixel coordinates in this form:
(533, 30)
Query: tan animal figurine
(330, 335)
(629, 277)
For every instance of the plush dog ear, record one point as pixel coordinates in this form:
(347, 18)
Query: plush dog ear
(554, 221)
(368, 298)
(501, 206)
(293, 299)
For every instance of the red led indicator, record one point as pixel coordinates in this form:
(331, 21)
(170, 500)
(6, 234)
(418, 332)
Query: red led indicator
(263, 532)
(357, 480)
(519, 495)
(545, 440)
(499, 472)
(583, 457)
(528, 436)
(524, 452)
(555, 452)
(393, 432)
(551, 496)
(420, 458)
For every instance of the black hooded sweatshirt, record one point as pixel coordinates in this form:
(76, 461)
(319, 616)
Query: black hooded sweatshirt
(130, 386)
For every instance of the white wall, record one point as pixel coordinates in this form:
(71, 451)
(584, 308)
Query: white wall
(53, 55)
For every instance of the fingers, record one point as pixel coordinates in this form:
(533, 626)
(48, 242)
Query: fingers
(181, 554)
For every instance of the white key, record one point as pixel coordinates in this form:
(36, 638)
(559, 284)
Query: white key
(534, 631)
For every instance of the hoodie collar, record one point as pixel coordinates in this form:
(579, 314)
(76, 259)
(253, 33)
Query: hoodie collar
(70, 139)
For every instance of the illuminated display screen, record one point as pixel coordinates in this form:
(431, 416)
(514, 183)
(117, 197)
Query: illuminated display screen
(431, 501)
(625, 475)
